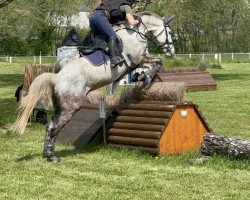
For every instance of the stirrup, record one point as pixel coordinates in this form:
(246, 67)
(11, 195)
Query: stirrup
(116, 61)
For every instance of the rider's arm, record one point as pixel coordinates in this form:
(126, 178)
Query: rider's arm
(131, 20)
(129, 15)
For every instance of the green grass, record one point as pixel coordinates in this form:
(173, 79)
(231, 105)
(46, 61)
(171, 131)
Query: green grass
(225, 57)
(98, 172)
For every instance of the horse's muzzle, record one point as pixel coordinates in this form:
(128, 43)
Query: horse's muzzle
(169, 50)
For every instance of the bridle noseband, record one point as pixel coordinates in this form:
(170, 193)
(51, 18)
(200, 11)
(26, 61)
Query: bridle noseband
(153, 40)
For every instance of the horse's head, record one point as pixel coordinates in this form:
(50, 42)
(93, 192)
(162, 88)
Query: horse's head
(169, 46)
(160, 29)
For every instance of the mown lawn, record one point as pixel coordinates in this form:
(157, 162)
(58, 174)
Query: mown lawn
(98, 172)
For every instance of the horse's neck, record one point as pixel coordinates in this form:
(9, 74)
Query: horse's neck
(134, 42)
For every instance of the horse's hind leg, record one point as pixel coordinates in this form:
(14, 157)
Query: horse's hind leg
(53, 128)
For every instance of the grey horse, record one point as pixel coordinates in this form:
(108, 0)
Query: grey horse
(77, 77)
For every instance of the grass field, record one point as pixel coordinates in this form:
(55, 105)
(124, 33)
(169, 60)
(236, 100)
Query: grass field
(98, 172)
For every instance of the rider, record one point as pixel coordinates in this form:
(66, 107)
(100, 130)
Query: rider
(110, 12)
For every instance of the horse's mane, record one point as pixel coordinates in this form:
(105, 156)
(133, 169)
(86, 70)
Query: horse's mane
(148, 13)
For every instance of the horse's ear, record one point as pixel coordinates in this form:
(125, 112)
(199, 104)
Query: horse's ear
(168, 19)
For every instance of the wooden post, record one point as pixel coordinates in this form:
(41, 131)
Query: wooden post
(40, 58)
(102, 107)
(216, 56)
(215, 144)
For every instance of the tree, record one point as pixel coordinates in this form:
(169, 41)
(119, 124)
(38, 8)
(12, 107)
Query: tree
(28, 27)
(40, 25)
(208, 26)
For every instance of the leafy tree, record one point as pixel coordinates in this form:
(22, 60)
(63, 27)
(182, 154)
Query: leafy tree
(203, 26)
(30, 27)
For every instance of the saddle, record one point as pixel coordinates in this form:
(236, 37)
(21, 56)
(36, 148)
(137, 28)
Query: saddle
(91, 44)
(94, 49)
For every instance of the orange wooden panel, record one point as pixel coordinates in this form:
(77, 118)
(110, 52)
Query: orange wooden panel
(183, 134)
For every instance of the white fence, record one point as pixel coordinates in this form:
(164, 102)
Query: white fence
(218, 57)
(29, 59)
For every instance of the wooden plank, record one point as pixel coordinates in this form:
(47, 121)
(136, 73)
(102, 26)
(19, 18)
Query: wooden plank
(184, 73)
(133, 141)
(183, 133)
(149, 107)
(142, 127)
(193, 80)
(170, 103)
(141, 120)
(143, 113)
(83, 127)
(135, 133)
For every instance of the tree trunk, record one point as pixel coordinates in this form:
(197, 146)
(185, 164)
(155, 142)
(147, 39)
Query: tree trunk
(215, 144)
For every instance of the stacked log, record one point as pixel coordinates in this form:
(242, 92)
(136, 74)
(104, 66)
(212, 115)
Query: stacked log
(140, 125)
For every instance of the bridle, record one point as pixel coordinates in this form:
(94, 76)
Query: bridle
(154, 39)
(167, 35)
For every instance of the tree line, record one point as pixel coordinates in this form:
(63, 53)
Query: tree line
(30, 27)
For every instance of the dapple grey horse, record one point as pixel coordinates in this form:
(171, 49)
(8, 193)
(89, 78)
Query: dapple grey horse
(77, 77)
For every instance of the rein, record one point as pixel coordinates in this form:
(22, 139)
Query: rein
(145, 37)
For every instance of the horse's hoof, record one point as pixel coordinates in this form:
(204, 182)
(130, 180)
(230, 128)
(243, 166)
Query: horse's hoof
(53, 159)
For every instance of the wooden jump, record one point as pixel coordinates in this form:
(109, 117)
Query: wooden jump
(158, 127)
(196, 80)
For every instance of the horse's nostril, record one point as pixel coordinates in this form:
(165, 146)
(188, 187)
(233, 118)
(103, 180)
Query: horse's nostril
(168, 54)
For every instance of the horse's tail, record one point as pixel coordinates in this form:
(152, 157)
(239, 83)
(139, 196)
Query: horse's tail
(42, 87)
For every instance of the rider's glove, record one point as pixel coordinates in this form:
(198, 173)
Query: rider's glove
(136, 17)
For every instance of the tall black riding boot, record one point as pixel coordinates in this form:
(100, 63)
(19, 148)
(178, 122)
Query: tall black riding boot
(115, 56)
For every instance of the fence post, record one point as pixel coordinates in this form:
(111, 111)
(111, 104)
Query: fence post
(203, 56)
(216, 56)
(10, 59)
(40, 58)
(220, 58)
(232, 56)
(190, 55)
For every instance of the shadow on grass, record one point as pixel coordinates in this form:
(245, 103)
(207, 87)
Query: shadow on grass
(227, 77)
(7, 80)
(8, 110)
(86, 149)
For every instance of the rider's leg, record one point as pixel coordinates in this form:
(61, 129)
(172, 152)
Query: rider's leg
(100, 21)
(115, 55)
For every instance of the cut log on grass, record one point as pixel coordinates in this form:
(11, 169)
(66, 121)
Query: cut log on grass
(215, 144)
